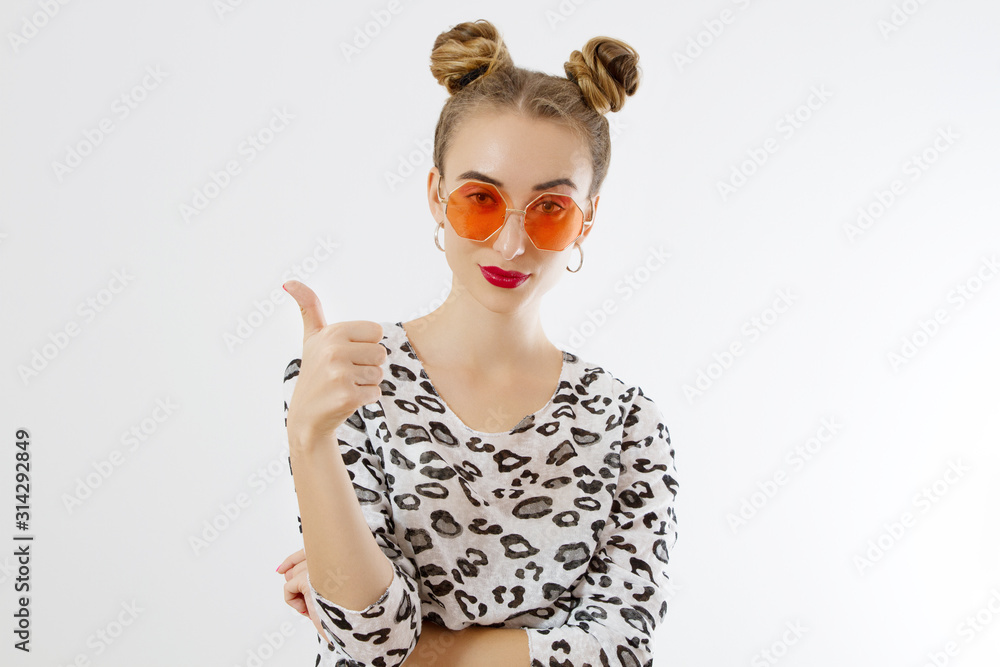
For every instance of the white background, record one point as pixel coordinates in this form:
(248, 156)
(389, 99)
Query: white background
(895, 75)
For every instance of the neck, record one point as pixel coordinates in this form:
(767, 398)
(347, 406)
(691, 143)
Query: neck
(462, 332)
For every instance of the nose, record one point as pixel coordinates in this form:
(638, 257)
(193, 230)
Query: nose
(512, 239)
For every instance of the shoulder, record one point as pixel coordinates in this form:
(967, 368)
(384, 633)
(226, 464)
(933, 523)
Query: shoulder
(641, 416)
(589, 377)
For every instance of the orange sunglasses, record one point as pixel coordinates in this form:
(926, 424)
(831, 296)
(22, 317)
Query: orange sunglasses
(477, 210)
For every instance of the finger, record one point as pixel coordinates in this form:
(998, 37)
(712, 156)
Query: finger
(294, 597)
(371, 354)
(295, 570)
(309, 305)
(292, 559)
(361, 331)
(367, 360)
(298, 604)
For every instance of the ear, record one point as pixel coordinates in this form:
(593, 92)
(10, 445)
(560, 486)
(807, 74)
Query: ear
(433, 180)
(593, 214)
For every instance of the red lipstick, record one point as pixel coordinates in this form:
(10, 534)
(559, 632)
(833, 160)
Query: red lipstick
(497, 276)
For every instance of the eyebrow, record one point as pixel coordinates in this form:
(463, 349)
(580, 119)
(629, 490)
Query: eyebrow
(479, 176)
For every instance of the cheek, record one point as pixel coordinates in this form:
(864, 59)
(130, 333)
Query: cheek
(457, 252)
(554, 268)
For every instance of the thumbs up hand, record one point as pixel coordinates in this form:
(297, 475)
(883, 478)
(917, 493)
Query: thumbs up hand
(340, 371)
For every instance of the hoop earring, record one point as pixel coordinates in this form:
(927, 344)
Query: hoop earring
(440, 225)
(580, 248)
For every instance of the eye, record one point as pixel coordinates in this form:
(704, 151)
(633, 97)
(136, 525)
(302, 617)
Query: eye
(482, 198)
(551, 205)
(478, 195)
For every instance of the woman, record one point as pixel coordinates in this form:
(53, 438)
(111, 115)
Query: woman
(469, 492)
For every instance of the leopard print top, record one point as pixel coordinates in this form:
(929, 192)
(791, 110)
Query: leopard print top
(562, 526)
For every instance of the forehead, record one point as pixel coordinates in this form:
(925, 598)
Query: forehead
(518, 151)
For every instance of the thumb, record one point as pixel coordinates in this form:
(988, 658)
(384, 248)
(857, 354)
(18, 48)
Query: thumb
(312, 311)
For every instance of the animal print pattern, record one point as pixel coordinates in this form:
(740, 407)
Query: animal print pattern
(562, 526)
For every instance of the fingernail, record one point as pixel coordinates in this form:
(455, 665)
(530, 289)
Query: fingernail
(277, 569)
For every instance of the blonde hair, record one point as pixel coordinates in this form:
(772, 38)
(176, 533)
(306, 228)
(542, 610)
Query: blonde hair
(473, 64)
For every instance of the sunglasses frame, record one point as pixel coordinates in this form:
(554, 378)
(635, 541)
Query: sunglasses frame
(586, 223)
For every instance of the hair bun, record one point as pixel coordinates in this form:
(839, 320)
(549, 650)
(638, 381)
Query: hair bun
(466, 52)
(607, 71)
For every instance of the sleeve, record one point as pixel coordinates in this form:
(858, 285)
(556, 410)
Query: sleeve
(386, 632)
(623, 594)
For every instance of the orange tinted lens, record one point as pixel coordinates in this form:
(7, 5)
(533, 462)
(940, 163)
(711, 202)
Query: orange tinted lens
(553, 221)
(476, 210)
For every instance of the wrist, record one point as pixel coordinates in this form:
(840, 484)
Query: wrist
(307, 441)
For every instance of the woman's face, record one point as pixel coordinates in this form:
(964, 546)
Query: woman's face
(518, 155)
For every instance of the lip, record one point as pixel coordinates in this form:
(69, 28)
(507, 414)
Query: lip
(497, 276)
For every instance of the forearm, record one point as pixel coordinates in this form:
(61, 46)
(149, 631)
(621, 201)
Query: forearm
(474, 646)
(346, 565)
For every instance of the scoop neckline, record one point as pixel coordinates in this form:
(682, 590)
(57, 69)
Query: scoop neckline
(562, 376)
